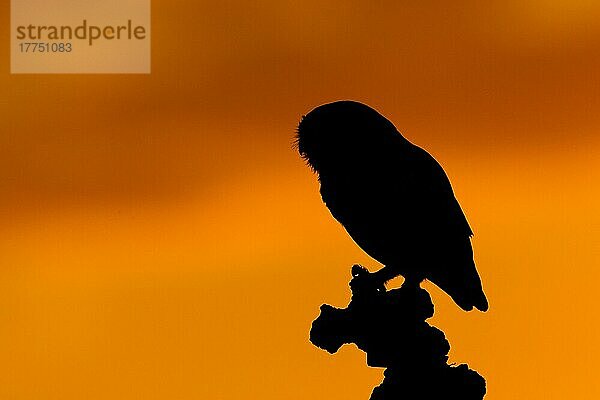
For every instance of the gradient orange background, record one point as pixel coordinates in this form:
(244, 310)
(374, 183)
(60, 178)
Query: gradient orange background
(159, 238)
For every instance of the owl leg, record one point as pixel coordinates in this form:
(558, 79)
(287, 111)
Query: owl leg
(412, 281)
(376, 279)
(385, 274)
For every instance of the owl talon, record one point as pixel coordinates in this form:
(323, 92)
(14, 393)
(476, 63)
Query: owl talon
(363, 280)
(358, 270)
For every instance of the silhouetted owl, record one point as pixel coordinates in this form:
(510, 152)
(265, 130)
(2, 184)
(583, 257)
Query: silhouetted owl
(392, 197)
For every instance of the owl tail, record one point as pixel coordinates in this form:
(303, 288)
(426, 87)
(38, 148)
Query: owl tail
(461, 281)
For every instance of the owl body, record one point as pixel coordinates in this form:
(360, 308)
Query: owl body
(392, 197)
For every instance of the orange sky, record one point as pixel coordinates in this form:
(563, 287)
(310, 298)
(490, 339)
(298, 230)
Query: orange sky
(160, 239)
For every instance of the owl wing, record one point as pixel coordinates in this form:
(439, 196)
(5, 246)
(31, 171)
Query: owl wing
(438, 218)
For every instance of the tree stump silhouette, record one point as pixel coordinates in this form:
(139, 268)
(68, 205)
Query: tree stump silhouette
(391, 328)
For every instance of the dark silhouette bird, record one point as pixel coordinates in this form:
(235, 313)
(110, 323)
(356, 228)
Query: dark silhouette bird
(393, 199)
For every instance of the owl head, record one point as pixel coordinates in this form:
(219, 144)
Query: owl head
(344, 134)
